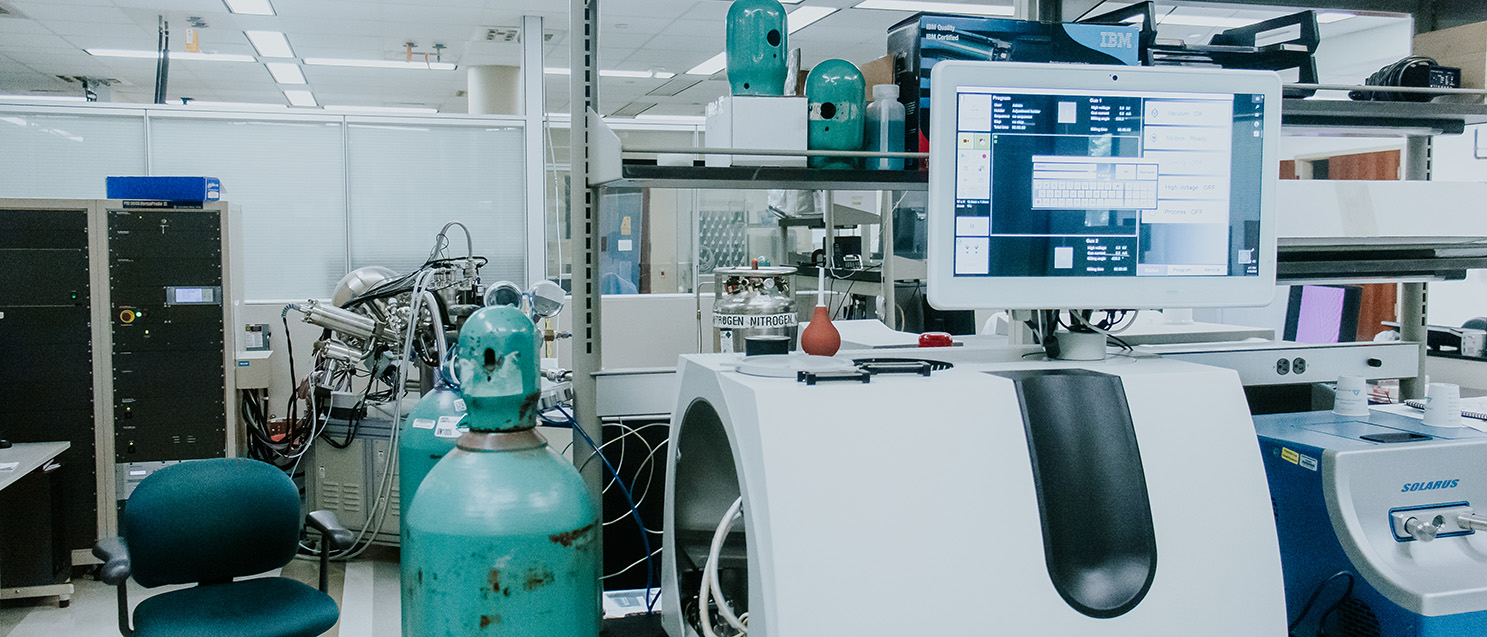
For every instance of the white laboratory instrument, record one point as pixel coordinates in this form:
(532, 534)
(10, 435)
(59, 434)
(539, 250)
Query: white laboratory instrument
(984, 489)
(984, 496)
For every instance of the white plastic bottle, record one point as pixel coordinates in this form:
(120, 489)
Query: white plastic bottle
(885, 127)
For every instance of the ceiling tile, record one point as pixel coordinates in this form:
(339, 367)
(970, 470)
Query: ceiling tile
(44, 11)
(12, 25)
(15, 41)
(194, 7)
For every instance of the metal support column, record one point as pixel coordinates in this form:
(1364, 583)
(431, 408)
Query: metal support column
(584, 220)
(1039, 10)
(1413, 296)
(534, 101)
(1413, 299)
(886, 274)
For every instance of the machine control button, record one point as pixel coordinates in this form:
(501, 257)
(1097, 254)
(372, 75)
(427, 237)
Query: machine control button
(1299, 366)
(126, 317)
(1283, 367)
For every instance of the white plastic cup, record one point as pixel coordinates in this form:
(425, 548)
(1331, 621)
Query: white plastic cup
(1352, 397)
(1442, 405)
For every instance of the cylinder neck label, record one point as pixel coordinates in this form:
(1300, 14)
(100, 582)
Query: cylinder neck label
(755, 321)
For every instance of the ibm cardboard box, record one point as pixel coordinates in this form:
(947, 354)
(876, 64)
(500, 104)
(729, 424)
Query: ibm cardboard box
(1464, 47)
(919, 42)
(756, 122)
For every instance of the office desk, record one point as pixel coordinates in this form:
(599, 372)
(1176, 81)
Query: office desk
(35, 560)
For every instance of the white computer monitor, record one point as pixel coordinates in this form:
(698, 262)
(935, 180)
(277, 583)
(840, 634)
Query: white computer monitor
(1098, 187)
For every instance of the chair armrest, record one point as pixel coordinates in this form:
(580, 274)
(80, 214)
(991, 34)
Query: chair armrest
(115, 555)
(330, 528)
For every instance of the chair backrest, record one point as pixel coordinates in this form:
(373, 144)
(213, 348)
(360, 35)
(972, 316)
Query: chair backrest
(210, 521)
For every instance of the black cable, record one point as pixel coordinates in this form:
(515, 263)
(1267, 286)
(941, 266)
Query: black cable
(353, 424)
(1393, 75)
(841, 310)
(1311, 601)
(291, 411)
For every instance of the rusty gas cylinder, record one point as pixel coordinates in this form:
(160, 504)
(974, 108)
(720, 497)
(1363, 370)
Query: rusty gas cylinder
(502, 534)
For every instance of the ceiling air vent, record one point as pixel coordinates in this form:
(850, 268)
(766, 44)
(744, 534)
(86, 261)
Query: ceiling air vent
(503, 34)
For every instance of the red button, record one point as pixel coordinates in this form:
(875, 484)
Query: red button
(935, 339)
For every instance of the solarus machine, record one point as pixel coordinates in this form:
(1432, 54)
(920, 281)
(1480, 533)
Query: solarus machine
(1039, 489)
(1379, 520)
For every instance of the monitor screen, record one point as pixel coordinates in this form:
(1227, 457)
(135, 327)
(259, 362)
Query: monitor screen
(1088, 188)
(1320, 314)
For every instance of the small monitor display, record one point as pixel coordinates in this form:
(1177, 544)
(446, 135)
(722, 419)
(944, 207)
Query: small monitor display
(1084, 184)
(1323, 314)
(193, 295)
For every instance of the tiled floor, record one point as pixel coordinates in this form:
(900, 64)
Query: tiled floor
(365, 588)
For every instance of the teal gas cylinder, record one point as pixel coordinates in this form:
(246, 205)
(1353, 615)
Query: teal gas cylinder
(502, 535)
(835, 90)
(756, 44)
(425, 436)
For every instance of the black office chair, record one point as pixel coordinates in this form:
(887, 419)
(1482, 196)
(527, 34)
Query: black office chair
(208, 522)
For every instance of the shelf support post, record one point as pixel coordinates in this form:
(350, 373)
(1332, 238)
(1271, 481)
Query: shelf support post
(584, 228)
(1413, 296)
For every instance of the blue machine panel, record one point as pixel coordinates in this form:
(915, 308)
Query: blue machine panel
(179, 189)
(1337, 483)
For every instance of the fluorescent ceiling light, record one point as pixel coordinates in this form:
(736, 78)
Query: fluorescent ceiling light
(711, 66)
(210, 57)
(270, 44)
(174, 55)
(300, 97)
(660, 75)
(380, 64)
(1328, 17)
(381, 110)
(250, 7)
(121, 53)
(672, 119)
(1205, 21)
(630, 74)
(936, 7)
(806, 16)
(285, 72)
(236, 106)
(41, 98)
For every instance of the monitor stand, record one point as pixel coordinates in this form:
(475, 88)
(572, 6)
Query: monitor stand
(1079, 346)
(1076, 340)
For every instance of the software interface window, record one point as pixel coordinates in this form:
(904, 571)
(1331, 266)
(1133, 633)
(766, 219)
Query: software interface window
(1069, 183)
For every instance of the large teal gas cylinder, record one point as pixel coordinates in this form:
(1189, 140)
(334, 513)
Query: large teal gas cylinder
(502, 535)
(756, 44)
(835, 90)
(425, 436)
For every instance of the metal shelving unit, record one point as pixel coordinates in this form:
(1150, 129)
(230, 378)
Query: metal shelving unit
(770, 178)
(646, 175)
(1410, 262)
(1387, 119)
